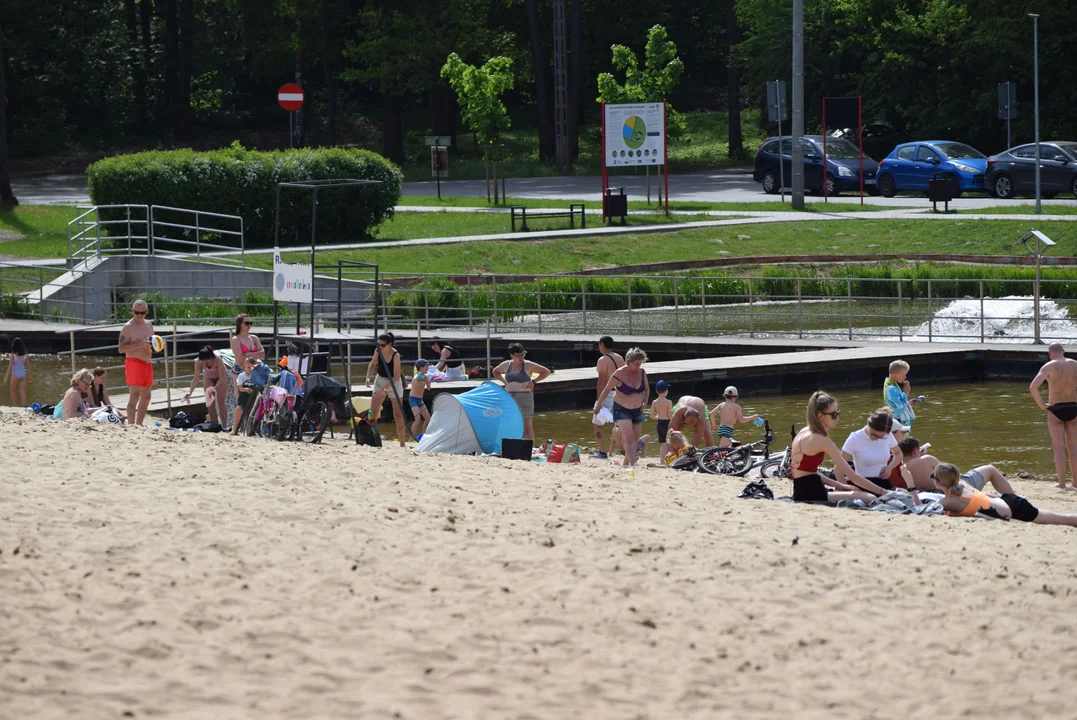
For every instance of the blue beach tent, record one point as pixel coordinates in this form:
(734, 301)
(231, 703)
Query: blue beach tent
(472, 422)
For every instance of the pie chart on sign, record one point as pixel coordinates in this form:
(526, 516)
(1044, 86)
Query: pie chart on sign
(634, 132)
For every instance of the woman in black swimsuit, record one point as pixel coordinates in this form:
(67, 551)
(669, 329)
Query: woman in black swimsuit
(632, 389)
(387, 361)
(450, 361)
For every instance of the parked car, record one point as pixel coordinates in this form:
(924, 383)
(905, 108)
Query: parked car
(879, 138)
(842, 165)
(910, 166)
(1014, 171)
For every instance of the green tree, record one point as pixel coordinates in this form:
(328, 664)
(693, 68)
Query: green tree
(653, 83)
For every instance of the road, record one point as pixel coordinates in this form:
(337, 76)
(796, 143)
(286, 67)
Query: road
(717, 186)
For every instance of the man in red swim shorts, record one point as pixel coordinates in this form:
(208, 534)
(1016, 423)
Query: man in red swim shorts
(135, 344)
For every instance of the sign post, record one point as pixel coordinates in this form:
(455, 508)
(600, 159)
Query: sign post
(1007, 106)
(290, 97)
(634, 134)
(439, 156)
(777, 111)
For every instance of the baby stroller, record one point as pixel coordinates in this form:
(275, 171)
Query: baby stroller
(323, 403)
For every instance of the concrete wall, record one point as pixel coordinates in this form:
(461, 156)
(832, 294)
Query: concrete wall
(86, 293)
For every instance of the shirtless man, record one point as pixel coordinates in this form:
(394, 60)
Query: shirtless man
(917, 470)
(1060, 373)
(692, 413)
(606, 366)
(135, 344)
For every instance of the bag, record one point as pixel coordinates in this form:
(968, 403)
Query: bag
(366, 432)
(513, 449)
(260, 375)
(47, 409)
(557, 453)
(183, 421)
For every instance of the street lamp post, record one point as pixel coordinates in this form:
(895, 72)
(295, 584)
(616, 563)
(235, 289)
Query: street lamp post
(1036, 99)
(1041, 245)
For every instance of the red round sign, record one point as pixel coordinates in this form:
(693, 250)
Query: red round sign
(290, 96)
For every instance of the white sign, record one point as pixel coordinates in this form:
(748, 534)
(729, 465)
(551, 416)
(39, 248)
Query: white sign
(292, 282)
(635, 134)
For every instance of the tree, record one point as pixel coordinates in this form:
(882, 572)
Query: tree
(479, 90)
(7, 196)
(543, 82)
(735, 147)
(661, 71)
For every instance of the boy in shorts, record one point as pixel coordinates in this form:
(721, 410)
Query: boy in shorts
(728, 414)
(662, 409)
(420, 383)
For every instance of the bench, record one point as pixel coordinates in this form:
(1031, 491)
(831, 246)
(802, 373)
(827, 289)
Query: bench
(574, 209)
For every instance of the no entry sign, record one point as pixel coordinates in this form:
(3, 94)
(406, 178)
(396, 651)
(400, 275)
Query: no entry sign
(290, 97)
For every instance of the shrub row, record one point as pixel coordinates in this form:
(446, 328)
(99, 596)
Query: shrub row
(237, 181)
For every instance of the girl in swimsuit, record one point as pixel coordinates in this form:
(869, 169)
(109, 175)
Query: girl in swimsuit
(516, 375)
(387, 361)
(632, 389)
(962, 500)
(811, 446)
(214, 375)
(18, 372)
(245, 345)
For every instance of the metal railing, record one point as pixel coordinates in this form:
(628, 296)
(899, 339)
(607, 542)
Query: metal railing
(154, 230)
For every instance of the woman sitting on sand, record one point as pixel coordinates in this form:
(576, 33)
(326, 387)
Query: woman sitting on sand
(869, 450)
(73, 406)
(811, 446)
(963, 500)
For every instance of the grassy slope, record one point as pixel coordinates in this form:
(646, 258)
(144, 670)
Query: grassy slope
(799, 238)
(43, 229)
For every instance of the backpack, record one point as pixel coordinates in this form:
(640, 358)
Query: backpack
(366, 432)
(183, 421)
(210, 427)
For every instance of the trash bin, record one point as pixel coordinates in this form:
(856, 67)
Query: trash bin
(615, 204)
(939, 190)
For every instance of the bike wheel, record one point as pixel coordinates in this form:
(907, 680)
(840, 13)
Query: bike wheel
(726, 461)
(314, 423)
(773, 469)
(688, 462)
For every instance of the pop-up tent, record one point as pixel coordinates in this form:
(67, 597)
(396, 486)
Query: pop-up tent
(472, 422)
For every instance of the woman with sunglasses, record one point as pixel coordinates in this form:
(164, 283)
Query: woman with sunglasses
(387, 361)
(243, 344)
(810, 447)
(516, 375)
(869, 450)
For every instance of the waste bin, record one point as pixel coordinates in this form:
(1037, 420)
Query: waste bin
(940, 190)
(615, 204)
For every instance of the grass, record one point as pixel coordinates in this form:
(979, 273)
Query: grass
(830, 237)
(702, 147)
(674, 205)
(1051, 208)
(42, 230)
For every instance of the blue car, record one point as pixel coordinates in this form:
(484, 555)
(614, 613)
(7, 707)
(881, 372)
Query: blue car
(843, 162)
(911, 165)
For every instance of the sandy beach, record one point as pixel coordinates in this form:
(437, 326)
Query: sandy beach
(148, 573)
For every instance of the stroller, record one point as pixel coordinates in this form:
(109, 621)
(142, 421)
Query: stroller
(323, 403)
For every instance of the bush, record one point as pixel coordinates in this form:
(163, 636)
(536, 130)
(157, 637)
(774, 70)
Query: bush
(236, 181)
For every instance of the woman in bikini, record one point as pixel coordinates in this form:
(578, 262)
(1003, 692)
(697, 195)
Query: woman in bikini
(387, 362)
(19, 372)
(963, 500)
(243, 344)
(214, 375)
(632, 390)
(516, 376)
(811, 446)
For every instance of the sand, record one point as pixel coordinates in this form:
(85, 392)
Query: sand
(148, 573)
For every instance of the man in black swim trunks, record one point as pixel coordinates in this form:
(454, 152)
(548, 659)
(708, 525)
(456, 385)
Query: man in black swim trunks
(1060, 374)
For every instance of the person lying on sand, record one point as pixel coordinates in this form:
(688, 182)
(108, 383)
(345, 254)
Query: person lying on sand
(961, 500)
(917, 469)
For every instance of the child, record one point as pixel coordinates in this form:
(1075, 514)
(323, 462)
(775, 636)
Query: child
(662, 409)
(896, 390)
(641, 444)
(419, 384)
(19, 372)
(729, 413)
(678, 447)
(247, 395)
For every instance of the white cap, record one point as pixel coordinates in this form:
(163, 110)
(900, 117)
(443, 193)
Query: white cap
(898, 426)
(731, 390)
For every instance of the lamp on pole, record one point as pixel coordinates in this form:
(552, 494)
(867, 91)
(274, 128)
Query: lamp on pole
(1036, 100)
(1039, 247)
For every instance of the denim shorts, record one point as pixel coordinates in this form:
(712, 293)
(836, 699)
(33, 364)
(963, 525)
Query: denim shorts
(620, 412)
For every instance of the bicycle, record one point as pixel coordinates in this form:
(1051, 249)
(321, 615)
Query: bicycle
(779, 467)
(736, 460)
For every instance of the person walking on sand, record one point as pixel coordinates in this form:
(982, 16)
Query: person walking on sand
(19, 372)
(1060, 374)
(631, 390)
(607, 364)
(692, 413)
(135, 345)
(386, 363)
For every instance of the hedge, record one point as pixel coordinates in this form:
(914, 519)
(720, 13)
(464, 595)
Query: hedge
(237, 181)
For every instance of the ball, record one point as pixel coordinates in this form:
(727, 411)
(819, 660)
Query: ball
(157, 343)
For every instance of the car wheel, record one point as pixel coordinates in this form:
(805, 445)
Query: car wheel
(1002, 187)
(887, 186)
(770, 183)
(1074, 188)
(831, 186)
(872, 190)
(955, 186)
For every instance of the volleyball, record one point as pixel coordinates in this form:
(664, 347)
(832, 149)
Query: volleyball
(158, 343)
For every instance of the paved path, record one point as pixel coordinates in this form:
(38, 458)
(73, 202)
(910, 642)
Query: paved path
(717, 186)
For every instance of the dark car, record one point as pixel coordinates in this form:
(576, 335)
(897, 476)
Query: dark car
(1014, 171)
(843, 162)
(879, 138)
